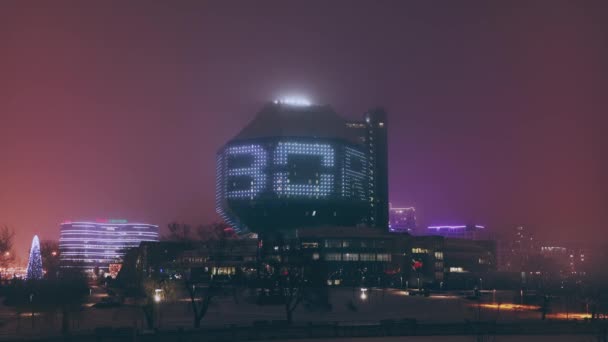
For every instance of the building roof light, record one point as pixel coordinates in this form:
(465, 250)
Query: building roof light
(293, 101)
(453, 227)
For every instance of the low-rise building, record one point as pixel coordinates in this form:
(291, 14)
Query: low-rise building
(349, 256)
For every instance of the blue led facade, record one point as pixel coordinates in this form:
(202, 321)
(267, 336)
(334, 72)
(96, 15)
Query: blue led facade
(286, 149)
(295, 167)
(321, 184)
(283, 187)
(253, 174)
(97, 244)
(305, 176)
(354, 174)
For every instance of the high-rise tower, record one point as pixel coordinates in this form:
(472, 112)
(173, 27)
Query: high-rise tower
(377, 145)
(372, 132)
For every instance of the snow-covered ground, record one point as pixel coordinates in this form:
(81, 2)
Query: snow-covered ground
(378, 305)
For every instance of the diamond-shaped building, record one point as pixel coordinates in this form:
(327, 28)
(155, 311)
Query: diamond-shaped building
(299, 165)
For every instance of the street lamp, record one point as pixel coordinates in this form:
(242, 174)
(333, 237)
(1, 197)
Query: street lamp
(158, 295)
(363, 293)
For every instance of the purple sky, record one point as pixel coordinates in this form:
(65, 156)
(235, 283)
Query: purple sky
(497, 109)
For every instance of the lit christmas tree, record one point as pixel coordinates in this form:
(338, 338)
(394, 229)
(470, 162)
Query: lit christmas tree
(34, 265)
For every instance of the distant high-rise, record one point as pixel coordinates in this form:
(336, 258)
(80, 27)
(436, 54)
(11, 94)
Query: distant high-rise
(516, 249)
(402, 220)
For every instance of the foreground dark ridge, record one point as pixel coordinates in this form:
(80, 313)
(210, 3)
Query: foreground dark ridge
(279, 330)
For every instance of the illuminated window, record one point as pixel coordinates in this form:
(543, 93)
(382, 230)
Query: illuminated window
(456, 270)
(224, 271)
(353, 174)
(315, 256)
(438, 255)
(310, 245)
(367, 257)
(418, 250)
(333, 243)
(383, 257)
(350, 257)
(333, 257)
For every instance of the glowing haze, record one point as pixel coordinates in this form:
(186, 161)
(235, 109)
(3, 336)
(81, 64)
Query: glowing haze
(116, 109)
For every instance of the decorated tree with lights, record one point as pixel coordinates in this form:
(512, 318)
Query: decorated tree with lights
(34, 265)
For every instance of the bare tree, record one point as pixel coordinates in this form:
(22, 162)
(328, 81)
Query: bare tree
(215, 231)
(201, 284)
(201, 289)
(153, 294)
(69, 292)
(178, 232)
(293, 286)
(201, 295)
(65, 294)
(7, 255)
(204, 232)
(294, 276)
(49, 250)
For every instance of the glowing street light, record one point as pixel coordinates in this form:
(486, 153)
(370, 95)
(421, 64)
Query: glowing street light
(363, 293)
(158, 295)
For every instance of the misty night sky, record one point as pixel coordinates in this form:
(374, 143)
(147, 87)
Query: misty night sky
(497, 109)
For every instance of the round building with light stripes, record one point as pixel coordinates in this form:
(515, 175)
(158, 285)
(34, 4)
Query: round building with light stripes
(87, 245)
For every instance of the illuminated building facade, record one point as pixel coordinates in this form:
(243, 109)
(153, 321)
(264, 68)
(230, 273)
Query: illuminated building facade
(341, 256)
(570, 261)
(402, 220)
(517, 249)
(359, 256)
(100, 243)
(177, 259)
(450, 262)
(298, 165)
(469, 232)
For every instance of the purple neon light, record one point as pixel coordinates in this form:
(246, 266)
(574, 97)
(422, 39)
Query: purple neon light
(453, 227)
